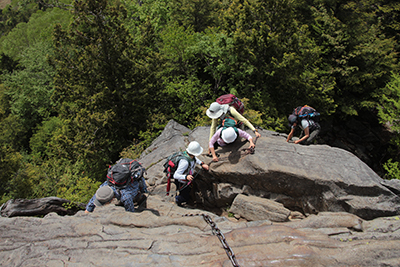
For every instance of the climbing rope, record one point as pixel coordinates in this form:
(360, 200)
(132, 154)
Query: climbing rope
(221, 237)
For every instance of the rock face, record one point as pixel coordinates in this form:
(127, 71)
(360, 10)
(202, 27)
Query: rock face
(161, 235)
(287, 205)
(255, 208)
(308, 179)
(35, 207)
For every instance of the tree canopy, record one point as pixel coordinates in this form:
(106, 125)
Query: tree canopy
(85, 82)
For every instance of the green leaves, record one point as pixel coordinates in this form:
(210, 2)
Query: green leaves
(117, 72)
(95, 86)
(389, 108)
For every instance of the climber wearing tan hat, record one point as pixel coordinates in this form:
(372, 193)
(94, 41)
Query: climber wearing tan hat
(127, 196)
(218, 113)
(103, 196)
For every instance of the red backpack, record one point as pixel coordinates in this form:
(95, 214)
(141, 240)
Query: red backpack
(231, 100)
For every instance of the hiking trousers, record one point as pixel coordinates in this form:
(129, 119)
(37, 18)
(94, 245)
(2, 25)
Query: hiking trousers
(314, 133)
(184, 194)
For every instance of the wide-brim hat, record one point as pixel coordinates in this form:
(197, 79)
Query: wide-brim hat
(194, 149)
(216, 110)
(103, 195)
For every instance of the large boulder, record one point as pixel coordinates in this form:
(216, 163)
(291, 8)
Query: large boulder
(309, 179)
(347, 214)
(255, 208)
(36, 207)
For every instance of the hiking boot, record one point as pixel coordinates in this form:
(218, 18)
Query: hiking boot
(178, 201)
(141, 199)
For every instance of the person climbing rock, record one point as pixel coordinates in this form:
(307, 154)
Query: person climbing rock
(184, 173)
(224, 136)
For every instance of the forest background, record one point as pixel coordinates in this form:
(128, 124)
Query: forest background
(86, 82)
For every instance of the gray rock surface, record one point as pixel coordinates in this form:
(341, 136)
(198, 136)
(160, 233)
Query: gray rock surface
(309, 179)
(161, 235)
(329, 209)
(34, 207)
(254, 208)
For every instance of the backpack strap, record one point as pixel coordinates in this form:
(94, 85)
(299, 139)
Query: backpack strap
(231, 118)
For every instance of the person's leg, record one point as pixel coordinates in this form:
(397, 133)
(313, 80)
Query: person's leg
(178, 198)
(184, 194)
(312, 136)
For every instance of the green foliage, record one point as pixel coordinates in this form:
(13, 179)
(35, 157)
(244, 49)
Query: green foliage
(196, 14)
(77, 188)
(38, 29)
(119, 71)
(277, 60)
(356, 53)
(389, 115)
(15, 13)
(30, 87)
(392, 169)
(389, 98)
(41, 141)
(11, 133)
(156, 126)
(96, 92)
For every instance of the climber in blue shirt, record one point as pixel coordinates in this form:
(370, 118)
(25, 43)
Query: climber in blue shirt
(128, 196)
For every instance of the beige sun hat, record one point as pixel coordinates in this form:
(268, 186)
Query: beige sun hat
(194, 149)
(103, 195)
(216, 110)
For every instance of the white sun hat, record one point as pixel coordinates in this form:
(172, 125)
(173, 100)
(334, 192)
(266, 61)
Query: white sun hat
(194, 149)
(216, 110)
(229, 135)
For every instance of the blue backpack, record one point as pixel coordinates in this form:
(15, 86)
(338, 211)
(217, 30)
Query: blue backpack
(306, 112)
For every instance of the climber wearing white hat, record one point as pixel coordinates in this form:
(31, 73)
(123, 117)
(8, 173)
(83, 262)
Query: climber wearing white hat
(184, 173)
(227, 135)
(218, 113)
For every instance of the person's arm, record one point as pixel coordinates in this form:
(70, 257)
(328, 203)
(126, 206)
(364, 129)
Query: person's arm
(202, 164)
(305, 137)
(247, 136)
(212, 142)
(290, 134)
(127, 196)
(246, 122)
(214, 155)
(213, 127)
(90, 206)
(179, 173)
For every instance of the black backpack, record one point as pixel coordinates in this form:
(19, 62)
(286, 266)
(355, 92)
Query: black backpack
(306, 112)
(171, 164)
(124, 172)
